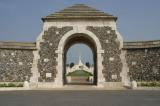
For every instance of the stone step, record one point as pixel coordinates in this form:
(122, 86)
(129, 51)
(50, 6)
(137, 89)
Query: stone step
(82, 87)
(106, 86)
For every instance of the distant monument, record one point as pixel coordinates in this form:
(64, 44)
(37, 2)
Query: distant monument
(80, 73)
(80, 66)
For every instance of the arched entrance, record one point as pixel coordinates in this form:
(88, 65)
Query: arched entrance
(80, 38)
(84, 36)
(79, 65)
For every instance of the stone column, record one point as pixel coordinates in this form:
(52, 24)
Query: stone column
(59, 75)
(35, 73)
(100, 80)
(125, 70)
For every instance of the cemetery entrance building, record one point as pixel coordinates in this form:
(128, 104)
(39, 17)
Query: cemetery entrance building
(43, 63)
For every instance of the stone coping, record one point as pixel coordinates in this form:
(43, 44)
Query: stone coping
(127, 45)
(75, 89)
(11, 82)
(147, 88)
(18, 45)
(78, 17)
(141, 44)
(13, 88)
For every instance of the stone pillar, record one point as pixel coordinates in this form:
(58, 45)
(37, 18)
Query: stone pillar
(35, 73)
(59, 75)
(125, 70)
(100, 80)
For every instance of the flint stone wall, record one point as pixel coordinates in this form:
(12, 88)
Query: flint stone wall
(47, 62)
(112, 65)
(144, 64)
(15, 65)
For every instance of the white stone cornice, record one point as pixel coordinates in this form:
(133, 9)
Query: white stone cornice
(80, 23)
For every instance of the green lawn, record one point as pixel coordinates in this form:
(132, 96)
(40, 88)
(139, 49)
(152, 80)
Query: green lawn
(80, 73)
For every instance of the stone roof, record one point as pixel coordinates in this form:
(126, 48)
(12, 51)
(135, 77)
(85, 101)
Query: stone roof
(79, 11)
(141, 44)
(18, 45)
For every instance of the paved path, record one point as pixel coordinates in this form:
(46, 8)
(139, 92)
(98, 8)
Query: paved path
(80, 98)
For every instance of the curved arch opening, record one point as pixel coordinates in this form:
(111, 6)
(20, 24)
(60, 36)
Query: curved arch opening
(80, 39)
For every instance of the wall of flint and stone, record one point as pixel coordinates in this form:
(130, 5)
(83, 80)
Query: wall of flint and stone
(15, 65)
(144, 64)
(47, 62)
(112, 65)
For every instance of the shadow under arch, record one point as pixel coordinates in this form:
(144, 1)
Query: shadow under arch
(85, 39)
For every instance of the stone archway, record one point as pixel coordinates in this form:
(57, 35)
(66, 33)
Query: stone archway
(101, 29)
(84, 39)
(60, 52)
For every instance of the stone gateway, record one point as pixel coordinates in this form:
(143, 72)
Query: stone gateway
(42, 63)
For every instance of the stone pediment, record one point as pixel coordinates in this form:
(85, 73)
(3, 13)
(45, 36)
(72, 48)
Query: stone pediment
(79, 11)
